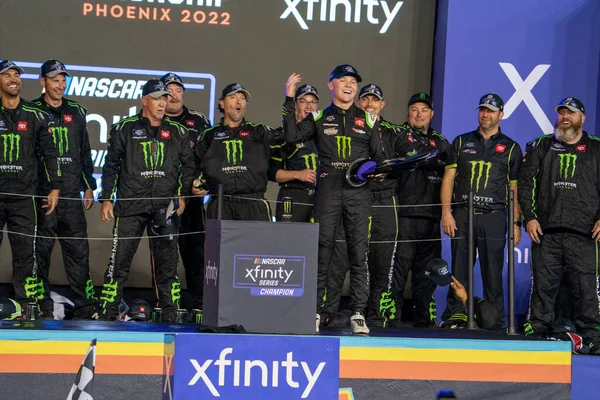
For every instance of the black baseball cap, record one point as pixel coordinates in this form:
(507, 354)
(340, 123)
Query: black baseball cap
(172, 78)
(344, 70)
(51, 68)
(437, 270)
(234, 88)
(372, 89)
(154, 88)
(304, 90)
(572, 104)
(140, 310)
(491, 101)
(421, 97)
(5, 65)
(9, 309)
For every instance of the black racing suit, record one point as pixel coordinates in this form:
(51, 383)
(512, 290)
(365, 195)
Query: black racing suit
(24, 141)
(341, 136)
(296, 157)
(559, 186)
(383, 234)
(145, 168)
(239, 159)
(69, 132)
(191, 228)
(419, 215)
(486, 167)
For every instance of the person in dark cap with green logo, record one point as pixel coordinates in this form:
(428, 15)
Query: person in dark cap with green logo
(237, 154)
(343, 133)
(25, 146)
(191, 246)
(296, 167)
(419, 225)
(147, 175)
(67, 121)
(486, 162)
(560, 199)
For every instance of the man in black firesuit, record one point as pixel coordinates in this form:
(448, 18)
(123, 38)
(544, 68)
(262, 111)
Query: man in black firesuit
(67, 121)
(383, 225)
(24, 141)
(486, 162)
(148, 170)
(419, 225)
(296, 170)
(343, 133)
(560, 199)
(236, 153)
(191, 245)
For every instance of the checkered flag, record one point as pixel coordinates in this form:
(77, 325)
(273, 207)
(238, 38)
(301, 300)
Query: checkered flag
(83, 387)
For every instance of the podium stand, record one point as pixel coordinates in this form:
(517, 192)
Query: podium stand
(261, 275)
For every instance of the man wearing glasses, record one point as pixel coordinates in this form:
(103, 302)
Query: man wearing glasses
(296, 171)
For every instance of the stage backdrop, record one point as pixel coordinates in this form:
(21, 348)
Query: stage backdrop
(112, 47)
(533, 53)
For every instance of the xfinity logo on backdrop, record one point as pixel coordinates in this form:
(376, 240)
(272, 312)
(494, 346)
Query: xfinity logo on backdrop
(377, 12)
(266, 374)
(523, 94)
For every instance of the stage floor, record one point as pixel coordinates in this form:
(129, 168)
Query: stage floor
(407, 363)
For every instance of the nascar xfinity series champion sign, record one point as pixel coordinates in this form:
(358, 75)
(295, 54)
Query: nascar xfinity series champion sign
(261, 275)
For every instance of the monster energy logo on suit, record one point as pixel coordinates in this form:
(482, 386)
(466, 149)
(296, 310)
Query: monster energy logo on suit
(344, 147)
(149, 157)
(234, 150)
(567, 161)
(12, 147)
(310, 160)
(479, 169)
(60, 136)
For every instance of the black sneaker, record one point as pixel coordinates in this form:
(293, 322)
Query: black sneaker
(86, 312)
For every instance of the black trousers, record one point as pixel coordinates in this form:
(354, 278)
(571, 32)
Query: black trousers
(191, 247)
(67, 220)
(574, 257)
(163, 255)
(490, 234)
(302, 204)
(19, 214)
(419, 243)
(241, 207)
(337, 200)
(383, 228)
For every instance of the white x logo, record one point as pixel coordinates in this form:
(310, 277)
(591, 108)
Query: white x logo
(292, 4)
(523, 94)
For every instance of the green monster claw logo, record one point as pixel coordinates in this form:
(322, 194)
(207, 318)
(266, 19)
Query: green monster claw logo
(34, 288)
(90, 292)
(310, 161)
(234, 148)
(567, 161)
(387, 307)
(344, 147)
(60, 136)
(287, 207)
(432, 311)
(528, 329)
(176, 293)
(152, 159)
(109, 292)
(480, 168)
(12, 147)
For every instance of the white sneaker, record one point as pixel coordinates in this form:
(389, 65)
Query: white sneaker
(318, 322)
(359, 326)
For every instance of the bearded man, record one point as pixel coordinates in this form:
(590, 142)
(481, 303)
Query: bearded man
(559, 187)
